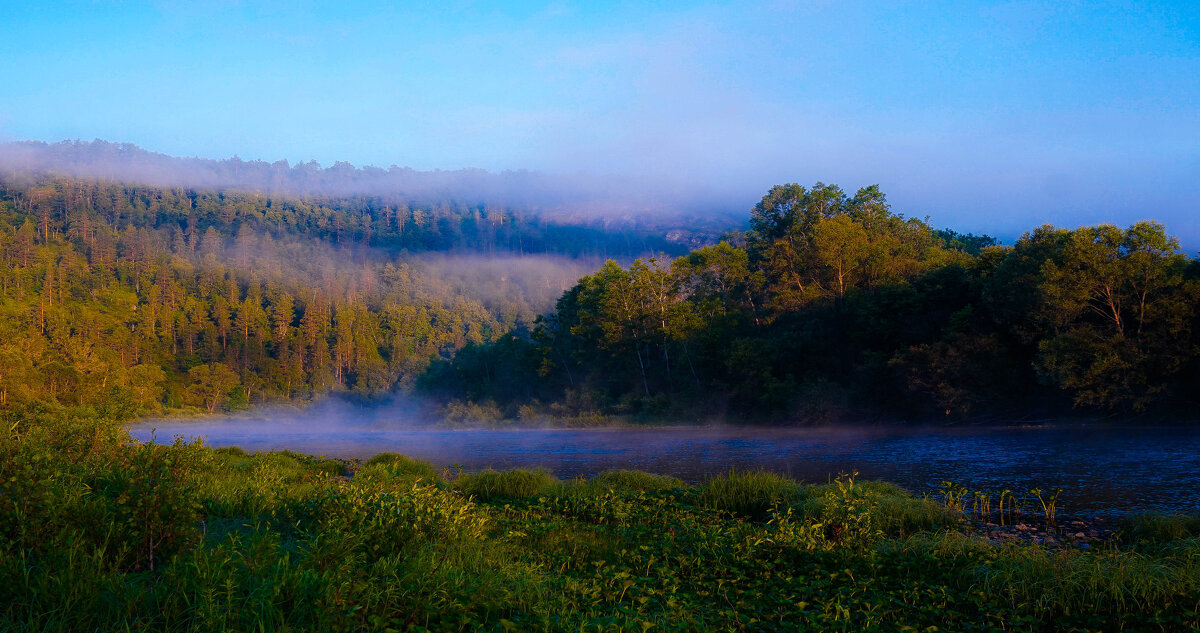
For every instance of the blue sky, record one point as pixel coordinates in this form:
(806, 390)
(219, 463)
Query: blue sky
(985, 116)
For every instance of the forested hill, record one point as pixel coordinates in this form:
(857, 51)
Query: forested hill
(130, 298)
(834, 307)
(610, 209)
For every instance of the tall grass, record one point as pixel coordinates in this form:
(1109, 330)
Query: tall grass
(750, 494)
(1157, 527)
(637, 480)
(1056, 582)
(98, 536)
(511, 484)
(386, 466)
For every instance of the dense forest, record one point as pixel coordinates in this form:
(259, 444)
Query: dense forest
(134, 298)
(131, 298)
(833, 305)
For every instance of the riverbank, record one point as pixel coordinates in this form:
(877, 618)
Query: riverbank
(1104, 471)
(104, 535)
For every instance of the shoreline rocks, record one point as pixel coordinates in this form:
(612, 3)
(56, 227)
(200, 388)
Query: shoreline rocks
(1082, 533)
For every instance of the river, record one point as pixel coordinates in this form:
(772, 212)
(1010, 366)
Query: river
(1104, 470)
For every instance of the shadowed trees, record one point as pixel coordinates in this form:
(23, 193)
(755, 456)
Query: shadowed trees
(837, 302)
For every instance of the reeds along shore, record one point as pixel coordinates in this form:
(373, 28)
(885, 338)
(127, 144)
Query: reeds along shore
(98, 533)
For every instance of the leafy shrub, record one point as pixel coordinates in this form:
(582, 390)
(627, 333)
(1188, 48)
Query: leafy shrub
(893, 510)
(152, 500)
(845, 519)
(27, 496)
(467, 414)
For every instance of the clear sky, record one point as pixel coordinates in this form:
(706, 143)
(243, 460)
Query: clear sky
(985, 116)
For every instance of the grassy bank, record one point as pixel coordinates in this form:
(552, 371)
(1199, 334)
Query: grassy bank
(97, 533)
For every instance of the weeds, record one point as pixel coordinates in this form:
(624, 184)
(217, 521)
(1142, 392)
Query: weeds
(1049, 503)
(105, 534)
(954, 496)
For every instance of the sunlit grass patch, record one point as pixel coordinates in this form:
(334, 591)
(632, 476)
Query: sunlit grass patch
(388, 466)
(895, 511)
(637, 480)
(510, 484)
(273, 484)
(750, 494)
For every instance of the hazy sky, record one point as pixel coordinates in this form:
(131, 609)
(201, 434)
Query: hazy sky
(986, 116)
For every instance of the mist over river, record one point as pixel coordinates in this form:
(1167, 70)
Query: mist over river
(1104, 470)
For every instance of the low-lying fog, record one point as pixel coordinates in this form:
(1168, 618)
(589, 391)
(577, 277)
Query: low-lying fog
(1103, 469)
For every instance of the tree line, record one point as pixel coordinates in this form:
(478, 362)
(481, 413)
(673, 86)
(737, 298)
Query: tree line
(832, 305)
(133, 298)
(391, 223)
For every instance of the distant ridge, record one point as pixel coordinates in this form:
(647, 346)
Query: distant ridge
(560, 195)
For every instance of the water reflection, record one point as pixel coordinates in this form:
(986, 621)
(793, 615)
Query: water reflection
(1104, 470)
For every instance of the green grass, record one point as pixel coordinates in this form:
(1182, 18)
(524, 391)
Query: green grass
(637, 480)
(386, 466)
(748, 494)
(1157, 527)
(895, 511)
(492, 485)
(284, 542)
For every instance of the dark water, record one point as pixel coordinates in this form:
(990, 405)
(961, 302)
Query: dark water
(1104, 470)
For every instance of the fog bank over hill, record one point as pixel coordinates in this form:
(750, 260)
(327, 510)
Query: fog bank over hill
(572, 198)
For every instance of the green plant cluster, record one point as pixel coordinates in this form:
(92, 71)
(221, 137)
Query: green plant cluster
(101, 533)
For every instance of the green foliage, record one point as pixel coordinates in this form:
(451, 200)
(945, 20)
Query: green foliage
(1157, 527)
(383, 522)
(749, 494)
(844, 516)
(153, 507)
(892, 510)
(131, 299)
(385, 466)
(637, 480)
(510, 484)
(280, 541)
(1056, 584)
(832, 304)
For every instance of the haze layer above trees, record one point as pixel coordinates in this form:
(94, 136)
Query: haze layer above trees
(576, 198)
(132, 298)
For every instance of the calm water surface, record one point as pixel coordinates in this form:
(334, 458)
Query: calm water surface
(1104, 470)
